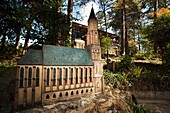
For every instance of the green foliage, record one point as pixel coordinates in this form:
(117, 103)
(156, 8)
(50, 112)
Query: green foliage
(135, 72)
(139, 56)
(40, 21)
(152, 76)
(158, 33)
(4, 65)
(125, 64)
(128, 71)
(105, 43)
(132, 11)
(116, 80)
(138, 108)
(7, 83)
(7, 63)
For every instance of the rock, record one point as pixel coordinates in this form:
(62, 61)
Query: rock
(85, 101)
(110, 111)
(101, 100)
(87, 109)
(73, 105)
(54, 110)
(62, 106)
(103, 107)
(37, 110)
(49, 106)
(116, 91)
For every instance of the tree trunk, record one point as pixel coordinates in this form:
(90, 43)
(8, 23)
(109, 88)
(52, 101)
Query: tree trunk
(17, 40)
(26, 41)
(69, 20)
(126, 46)
(123, 28)
(122, 35)
(156, 2)
(3, 42)
(139, 47)
(106, 34)
(155, 16)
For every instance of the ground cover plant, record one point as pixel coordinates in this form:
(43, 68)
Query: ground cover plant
(139, 76)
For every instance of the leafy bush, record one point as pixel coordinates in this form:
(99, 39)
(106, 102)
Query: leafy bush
(7, 63)
(139, 56)
(125, 64)
(117, 80)
(152, 76)
(139, 109)
(135, 107)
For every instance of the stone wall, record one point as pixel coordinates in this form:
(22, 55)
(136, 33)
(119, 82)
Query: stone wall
(159, 95)
(155, 101)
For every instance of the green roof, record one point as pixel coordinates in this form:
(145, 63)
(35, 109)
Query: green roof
(57, 56)
(31, 57)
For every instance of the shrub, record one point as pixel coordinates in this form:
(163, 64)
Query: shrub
(139, 56)
(125, 64)
(116, 79)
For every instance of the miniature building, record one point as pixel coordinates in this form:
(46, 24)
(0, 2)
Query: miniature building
(56, 73)
(79, 43)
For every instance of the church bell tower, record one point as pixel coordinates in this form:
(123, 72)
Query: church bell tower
(92, 40)
(93, 45)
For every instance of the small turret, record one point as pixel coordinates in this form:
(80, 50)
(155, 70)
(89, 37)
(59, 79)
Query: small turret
(92, 14)
(92, 34)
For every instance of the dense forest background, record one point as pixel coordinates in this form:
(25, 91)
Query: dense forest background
(136, 22)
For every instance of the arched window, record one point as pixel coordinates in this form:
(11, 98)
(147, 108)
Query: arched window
(29, 76)
(86, 90)
(60, 75)
(71, 75)
(54, 77)
(54, 95)
(82, 91)
(47, 96)
(66, 93)
(81, 75)
(77, 92)
(66, 75)
(21, 78)
(90, 74)
(77, 75)
(86, 72)
(48, 77)
(37, 77)
(91, 90)
(60, 95)
(72, 93)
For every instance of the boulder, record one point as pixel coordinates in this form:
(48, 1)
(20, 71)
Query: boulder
(73, 105)
(87, 109)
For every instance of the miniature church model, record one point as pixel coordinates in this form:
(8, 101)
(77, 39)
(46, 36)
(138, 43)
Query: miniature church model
(57, 73)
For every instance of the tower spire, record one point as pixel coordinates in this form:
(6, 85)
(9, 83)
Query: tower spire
(92, 34)
(92, 14)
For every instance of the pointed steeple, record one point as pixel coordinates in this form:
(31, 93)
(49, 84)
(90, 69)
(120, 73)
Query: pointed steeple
(92, 14)
(92, 34)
